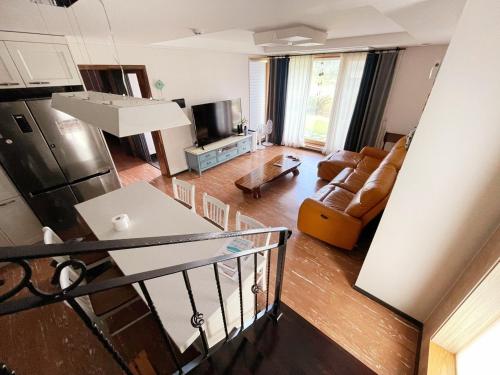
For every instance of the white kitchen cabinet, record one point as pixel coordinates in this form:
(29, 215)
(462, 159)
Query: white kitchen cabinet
(9, 76)
(4, 241)
(7, 189)
(18, 222)
(44, 64)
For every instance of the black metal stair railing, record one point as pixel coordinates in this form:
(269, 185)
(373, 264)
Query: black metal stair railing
(21, 255)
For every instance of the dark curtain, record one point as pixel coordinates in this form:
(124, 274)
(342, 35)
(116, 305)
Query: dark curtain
(278, 78)
(372, 98)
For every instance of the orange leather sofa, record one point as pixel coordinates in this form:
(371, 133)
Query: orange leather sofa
(359, 188)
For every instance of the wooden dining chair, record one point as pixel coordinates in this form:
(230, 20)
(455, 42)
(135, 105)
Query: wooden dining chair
(216, 211)
(184, 192)
(244, 222)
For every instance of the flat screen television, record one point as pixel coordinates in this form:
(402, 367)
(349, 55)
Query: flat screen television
(215, 121)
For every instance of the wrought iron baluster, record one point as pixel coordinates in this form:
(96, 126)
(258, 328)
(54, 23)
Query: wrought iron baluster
(197, 318)
(255, 287)
(280, 268)
(221, 301)
(238, 260)
(268, 276)
(100, 336)
(38, 298)
(4, 370)
(163, 331)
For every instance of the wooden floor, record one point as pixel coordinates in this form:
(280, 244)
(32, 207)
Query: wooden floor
(317, 284)
(318, 277)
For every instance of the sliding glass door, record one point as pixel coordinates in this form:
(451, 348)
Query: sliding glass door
(325, 71)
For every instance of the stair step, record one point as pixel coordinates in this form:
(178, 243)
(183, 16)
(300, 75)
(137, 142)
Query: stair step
(240, 356)
(292, 345)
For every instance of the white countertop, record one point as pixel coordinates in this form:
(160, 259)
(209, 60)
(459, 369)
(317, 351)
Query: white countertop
(153, 213)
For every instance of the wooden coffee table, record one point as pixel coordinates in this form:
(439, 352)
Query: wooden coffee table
(268, 172)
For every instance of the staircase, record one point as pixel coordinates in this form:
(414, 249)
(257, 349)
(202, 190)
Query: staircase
(274, 340)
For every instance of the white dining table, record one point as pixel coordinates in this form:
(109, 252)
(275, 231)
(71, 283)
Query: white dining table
(153, 213)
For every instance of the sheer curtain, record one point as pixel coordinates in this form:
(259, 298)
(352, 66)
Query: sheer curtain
(299, 79)
(346, 93)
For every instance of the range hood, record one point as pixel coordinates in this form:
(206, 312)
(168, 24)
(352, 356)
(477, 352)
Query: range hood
(120, 115)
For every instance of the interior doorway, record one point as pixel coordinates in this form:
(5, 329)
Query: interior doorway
(127, 80)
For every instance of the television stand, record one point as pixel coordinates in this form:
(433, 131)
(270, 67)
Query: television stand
(202, 158)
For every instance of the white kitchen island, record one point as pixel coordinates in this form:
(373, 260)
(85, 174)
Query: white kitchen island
(153, 213)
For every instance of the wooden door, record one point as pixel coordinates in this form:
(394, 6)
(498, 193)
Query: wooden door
(107, 78)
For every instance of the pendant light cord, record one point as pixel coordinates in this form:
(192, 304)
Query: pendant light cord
(117, 59)
(89, 58)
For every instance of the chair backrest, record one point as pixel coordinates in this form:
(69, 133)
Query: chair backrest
(49, 238)
(216, 211)
(184, 192)
(66, 277)
(244, 222)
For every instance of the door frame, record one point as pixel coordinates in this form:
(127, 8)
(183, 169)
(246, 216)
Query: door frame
(142, 77)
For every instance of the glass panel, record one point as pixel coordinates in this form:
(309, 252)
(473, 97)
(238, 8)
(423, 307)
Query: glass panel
(323, 80)
(257, 83)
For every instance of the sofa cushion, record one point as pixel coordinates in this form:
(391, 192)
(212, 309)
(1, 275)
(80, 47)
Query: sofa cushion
(368, 164)
(396, 157)
(338, 198)
(334, 163)
(375, 189)
(401, 143)
(349, 158)
(354, 181)
(342, 176)
(323, 192)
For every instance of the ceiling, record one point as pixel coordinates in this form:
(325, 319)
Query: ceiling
(228, 25)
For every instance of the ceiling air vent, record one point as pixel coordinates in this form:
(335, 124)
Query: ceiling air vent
(57, 3)
(291, 36)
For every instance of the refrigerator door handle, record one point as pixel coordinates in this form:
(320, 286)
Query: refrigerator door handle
(100, 173)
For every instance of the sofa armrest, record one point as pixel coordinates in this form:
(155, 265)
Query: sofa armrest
(373, 152)
(328, 224)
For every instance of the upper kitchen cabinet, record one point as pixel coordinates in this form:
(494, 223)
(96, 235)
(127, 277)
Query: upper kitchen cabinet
(9, 76)
(7, 189)
(44, 64)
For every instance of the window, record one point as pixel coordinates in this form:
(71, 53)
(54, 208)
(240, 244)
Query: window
(257, 72)
(325, 71)
(481, 355)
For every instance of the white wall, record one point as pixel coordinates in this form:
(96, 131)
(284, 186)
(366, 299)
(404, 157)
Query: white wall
(196, 75)
(410, 87)
(445, 202)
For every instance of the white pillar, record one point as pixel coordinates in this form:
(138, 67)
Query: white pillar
(446, 200)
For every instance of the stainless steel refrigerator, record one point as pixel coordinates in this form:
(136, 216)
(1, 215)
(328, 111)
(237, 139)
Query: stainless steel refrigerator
(54, 160)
